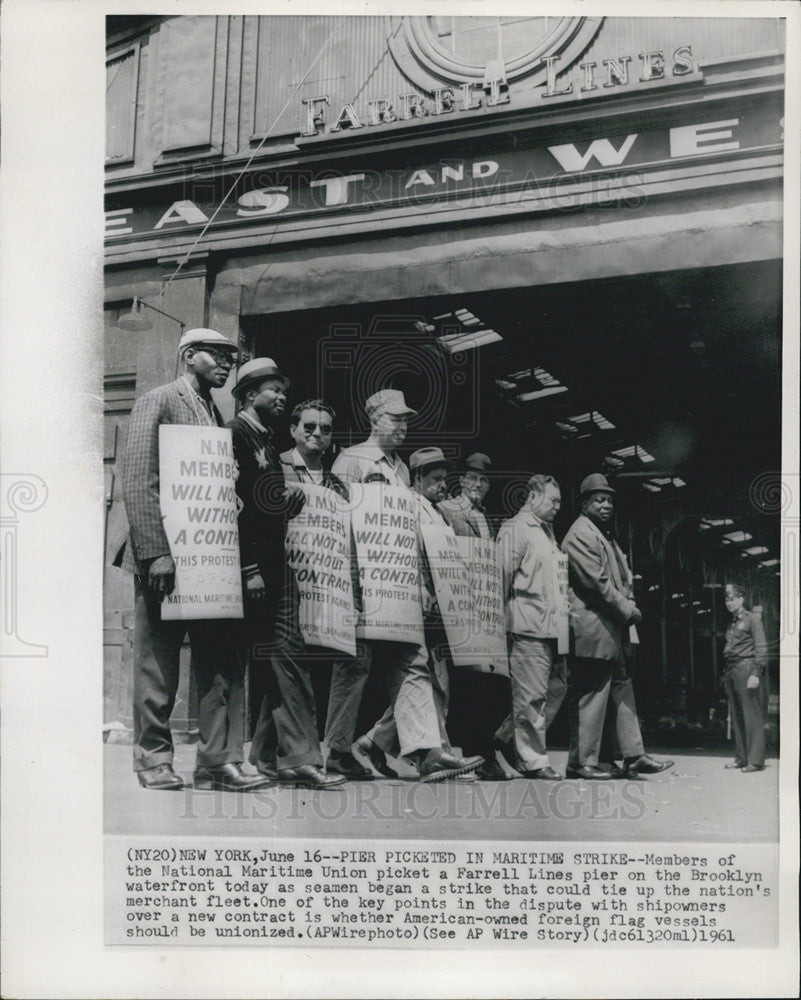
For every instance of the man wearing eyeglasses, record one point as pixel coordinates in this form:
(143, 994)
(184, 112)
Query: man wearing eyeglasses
(311, 425)
(465, 512)
(285, 743)
(208, 357)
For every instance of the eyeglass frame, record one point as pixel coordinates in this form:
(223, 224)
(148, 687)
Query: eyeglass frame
(220, 355)
(324, 428)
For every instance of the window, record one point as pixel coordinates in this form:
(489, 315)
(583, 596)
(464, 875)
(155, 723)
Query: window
(122, 82)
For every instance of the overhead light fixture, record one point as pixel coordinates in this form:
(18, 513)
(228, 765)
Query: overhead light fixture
(454, 343)
(527, 397)
(135, 322)
(769, 562)
(736, 537)
(755, 550)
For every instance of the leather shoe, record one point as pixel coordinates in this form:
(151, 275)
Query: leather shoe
(738, 764)
(750, 768)
(160, 778)
(507, 751)
(543, 774)
(345, 763)
(491, 770)
(589, 772)
(267, 768)
(645, 765)
(439, 765)
(310, 776)
(228, 778)
(375, 755)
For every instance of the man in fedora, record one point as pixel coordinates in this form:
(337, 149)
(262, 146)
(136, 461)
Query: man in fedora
(428, 469)
(537, 615)
(285, 743)
(479, 701)
(405, 664)
(465, 512)
(602, 615)
(208, 357)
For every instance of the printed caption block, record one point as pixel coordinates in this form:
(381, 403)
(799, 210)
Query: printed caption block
(248, 891)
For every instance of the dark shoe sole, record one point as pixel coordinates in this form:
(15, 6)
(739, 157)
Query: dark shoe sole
(210, 785)
(173, 787)
(635, 772)
(601, 776)
(350, 775)
(300, 783)
(450, 773)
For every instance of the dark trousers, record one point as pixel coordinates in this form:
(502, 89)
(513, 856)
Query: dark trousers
(218, 671)
(479, 703)
(745, 707)
(286, 731)
(602, 711)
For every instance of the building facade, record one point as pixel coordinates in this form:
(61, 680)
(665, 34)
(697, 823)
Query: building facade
(561, 237)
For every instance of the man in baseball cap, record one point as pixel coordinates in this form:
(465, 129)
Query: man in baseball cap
(603, 616)
(429, 469)
(208, 357)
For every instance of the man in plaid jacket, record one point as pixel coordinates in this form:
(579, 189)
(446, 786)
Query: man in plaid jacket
(208, 357)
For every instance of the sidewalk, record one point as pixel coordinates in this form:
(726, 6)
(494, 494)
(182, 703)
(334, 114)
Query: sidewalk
(696, 800)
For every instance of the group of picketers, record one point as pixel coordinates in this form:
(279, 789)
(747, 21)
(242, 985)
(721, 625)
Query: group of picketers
(432, 707)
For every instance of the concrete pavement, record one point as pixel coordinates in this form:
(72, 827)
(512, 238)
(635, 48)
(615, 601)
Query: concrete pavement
(696, 800)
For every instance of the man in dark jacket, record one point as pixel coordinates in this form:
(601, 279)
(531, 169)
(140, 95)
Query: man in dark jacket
(288, 715)
(602, 616)
(208, 357)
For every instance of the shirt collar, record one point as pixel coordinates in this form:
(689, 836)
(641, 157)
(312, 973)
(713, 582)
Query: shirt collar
(255, 422)
(374, 453)
(466, 504)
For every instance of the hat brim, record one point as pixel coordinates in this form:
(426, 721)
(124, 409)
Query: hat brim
(249, 383)
(213, 344)
(437, 463)
(598, 489)
(397, 411)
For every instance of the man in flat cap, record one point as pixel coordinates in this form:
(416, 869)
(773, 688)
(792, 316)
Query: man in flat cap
(429, 469)
(537, 614)
(285, 743)
(465, 512)
(208, 357)
(405, 663)
(602, 613)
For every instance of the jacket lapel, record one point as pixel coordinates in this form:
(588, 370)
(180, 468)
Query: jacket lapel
(614, 565)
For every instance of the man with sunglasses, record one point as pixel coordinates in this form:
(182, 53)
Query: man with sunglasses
(285, 743)
(311, 425)
(208, 357)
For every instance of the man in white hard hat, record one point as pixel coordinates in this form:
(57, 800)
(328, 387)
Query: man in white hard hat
(285, 743)
(405, 664)
(208, 357)
(429, 469)
(602, 613)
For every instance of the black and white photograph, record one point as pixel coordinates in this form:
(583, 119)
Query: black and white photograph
(435, 491)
